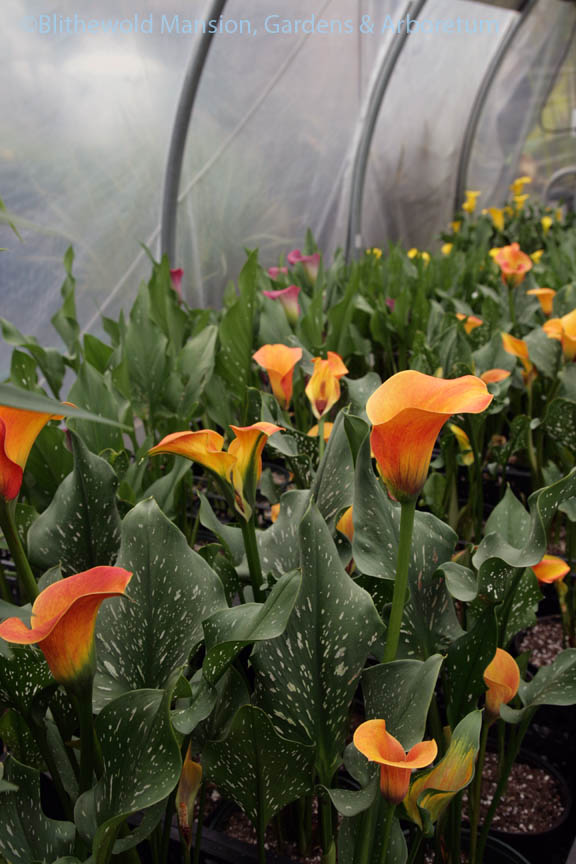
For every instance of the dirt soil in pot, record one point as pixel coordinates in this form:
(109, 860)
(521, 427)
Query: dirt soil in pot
(543, 641)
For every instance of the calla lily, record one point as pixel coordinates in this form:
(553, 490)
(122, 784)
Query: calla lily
(469, 205)
(519, 201)
(545, 298)
(470, 321)
(375, 252)
(519, 348)
(464, 445)
(415, 253)
(434, 790)
(346, 524)
(279, 362)
(18, 432)
(456, 226)
(288, 297)
(188, 788)
(564, 331)
(550, 569)
(493, 376)
(63, 620)
(396, 766)
(274, 272)
(246, 448)
(274, 512)
(314, 431)
(311, 263)
(446, 248)
(238, 469)
(407, 413)
(323, 388)
(502, 678)
(537, 256)
(517, 186)
(176, 277)
(514, 264)
(497, 217)
(546, 223)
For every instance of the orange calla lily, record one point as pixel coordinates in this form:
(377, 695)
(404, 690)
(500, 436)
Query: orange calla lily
(550, 569)
(464, 445)
(514, 264)
(519, 348)
(396, 766)
(204, 447)
(545, 298)
(313, 432)
(407, 413)
(564, 330)
(239, 468)
(502, 678)
(246, 448)
(346, 524)
(18, 432)
(493, 376)
(63, 620)
(470, 321)
(274, 512)
(188, 788)
(279, 362)
(323, 388)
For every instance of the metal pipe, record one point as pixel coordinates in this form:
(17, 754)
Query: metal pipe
(480, 100)
(362, 154)
(179, 133)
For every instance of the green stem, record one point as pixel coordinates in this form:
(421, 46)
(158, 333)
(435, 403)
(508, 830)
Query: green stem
(253, 558)
(363, 851)
(436, 725)
(200, 824)
(4, 589)
(320, 438)
(389, 821)
(41, 739)
(28, 584)
(475, 795)
(90, 755)
(328, 845)
(415, 848)
(164, 836)
(532, 458)
(408, 509)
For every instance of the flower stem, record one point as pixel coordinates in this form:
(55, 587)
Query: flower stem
(320, 438)
(90, 755)
(328, 845)
(401, 583)
(475, 795)
(27, 582)
(253, 557)
(389, 821)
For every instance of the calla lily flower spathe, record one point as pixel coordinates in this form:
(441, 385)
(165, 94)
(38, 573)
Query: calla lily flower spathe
(18, 432)
(470, 322)
(517, 186)
(63, 621)
(279, 362)
(407, 413)
(469, 205)
(311, 263)
(519, 348)
(239, 469)
(514, 264)
(564, 330)
(315, 431)
(502, 678)
(396, 766)
(274, 272)
(346, 524)
(323, 388)
(493, 376)
(545, 298)
(550, 569)
(288, 297)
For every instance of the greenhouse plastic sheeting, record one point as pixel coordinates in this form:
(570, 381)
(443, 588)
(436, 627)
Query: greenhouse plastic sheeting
(512, 135)
(87, 119)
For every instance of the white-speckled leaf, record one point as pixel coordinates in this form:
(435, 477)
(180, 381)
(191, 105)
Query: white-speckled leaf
(81, 527)
(306, 678)
(351, 830)
(552, 685)
(142, 765)
(26, 834)
(256, 767)
(464, 666)
(140, 641)
(333, 487)
(278, 545)
(229, 535)
(230, 630)
(23, 676)
(400, 693)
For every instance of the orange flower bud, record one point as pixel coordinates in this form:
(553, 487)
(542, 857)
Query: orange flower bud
(279, 362)
(550, 569)
(470, 321)
(502, 677)
(323, 388)
(346, 524)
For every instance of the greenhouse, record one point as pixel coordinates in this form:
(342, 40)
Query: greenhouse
(288, 432)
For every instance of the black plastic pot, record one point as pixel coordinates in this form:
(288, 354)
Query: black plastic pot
(498, 852)
(544, 845)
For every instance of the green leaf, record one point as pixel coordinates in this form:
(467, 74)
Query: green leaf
(26, 834)
(23, 676)
(144, 354)
(352, 832)
(333, 487)
(95, 393)
(545, 353)
(81, 527)
(466, 660)
(230, 630)
(143, 639)
(278, 545)
(461, 582)
(65, 321)
(13, 397)
(257, 768)
(560, 421)
(330, 633)
(552, 685)
(229, 535)
(236, 335)
(196, 361)
(400, 693)
(142, 766)
(510, 520)
(165, 488)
